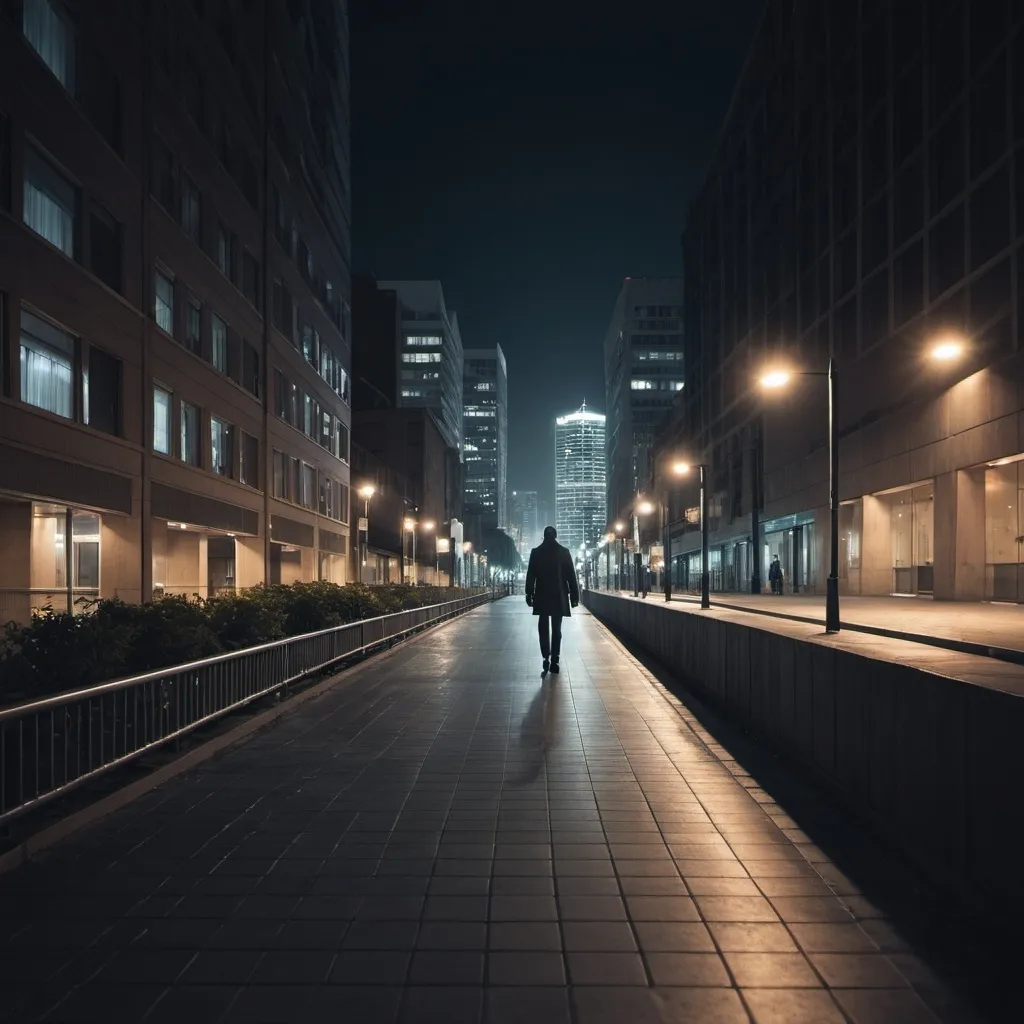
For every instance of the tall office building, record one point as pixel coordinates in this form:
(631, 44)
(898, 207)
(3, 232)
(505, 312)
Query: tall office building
(865, 204)
(580, 479)
(523, 520)
(430, 356)
(643, 354)
(485, 436)
(174, 282)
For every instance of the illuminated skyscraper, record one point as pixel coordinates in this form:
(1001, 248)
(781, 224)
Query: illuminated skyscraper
(580, 499)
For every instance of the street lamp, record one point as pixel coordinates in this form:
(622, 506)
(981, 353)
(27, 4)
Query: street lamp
(442, 546)
(778, 379)
(366, 492)
(946, 349)
(620, 529)
(410, 527)
(642, 508)
(682, 469)
(428, 527)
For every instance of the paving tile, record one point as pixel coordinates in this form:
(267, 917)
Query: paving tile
(441, 1005)
(884, 1006)
(742, 937)
(818, 909)
(789, 1006)
(370, 967)
(735, 908)
(689, 969)
(606, 969)
(515, 1005)
(662, 908)
(192, 1003)
(452, 935)
(293, 967)
(591, 908)
(615, 1005)
(446, 967)
(227, 966)
(598, 936)
(536, 935)
(521, 967)
(833, 938)
(524, 908)
(857, 970)
(771, 970)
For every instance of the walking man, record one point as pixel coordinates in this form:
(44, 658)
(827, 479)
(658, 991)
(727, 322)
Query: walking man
(551, 590)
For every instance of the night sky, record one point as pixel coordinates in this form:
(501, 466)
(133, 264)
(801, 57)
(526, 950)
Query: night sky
(530, 162)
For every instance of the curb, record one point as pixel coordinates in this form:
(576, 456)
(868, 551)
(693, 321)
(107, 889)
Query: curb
(53, 834)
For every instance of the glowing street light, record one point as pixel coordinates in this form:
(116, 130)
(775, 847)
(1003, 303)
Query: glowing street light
(947, 349)
(366, 492)
(681, 468)
(777, 379)
(645, 508)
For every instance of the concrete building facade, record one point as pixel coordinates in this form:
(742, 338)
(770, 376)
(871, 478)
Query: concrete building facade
(580, 482)
(865, 204)
(643, 358)
(174, 281)
(485, 436)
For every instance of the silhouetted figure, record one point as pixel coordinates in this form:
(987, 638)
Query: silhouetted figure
(551, 589)
(775, 575)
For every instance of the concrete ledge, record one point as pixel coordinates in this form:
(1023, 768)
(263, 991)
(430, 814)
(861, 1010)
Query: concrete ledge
(922, 743)
(74, 822)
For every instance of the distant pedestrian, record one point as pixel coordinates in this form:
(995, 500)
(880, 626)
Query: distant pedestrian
(551, 590)
(775, 575)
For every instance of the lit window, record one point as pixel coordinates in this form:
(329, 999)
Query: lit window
(189, 434)
(219, 343)
(421, 357)
(641, 385)
(424, 340)
(191, 209)
(47, 366)
(50, 203)
(48, 30)
(163, 302)
(220, 446)
(161, 421)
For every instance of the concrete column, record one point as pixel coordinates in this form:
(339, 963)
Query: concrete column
(960, 535)
(15, 557)
(120, 567)
(248, 562)
(876, 547)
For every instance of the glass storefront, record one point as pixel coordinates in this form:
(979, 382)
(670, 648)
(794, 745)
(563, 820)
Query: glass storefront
(794, 548)
(1004, 531)
(912, 538)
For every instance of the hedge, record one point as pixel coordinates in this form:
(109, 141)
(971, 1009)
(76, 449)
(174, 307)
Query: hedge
(58, 651)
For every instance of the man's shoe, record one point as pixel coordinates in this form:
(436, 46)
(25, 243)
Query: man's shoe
(546, 664)
(554, 666)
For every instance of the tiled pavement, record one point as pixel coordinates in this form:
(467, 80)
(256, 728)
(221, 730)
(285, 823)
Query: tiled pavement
(446, 837)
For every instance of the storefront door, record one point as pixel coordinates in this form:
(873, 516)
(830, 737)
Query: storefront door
(1004, 532)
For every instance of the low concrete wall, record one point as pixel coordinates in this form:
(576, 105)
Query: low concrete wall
(933, 761)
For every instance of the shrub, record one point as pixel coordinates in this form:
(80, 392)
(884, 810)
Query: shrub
(57, 651)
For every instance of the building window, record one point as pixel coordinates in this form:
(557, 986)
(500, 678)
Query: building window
(161, 421)
(190, 434)
(102, 392)
(105, 248)
(424, 340)
(47, 366)
(421, 357)
(191, 209)
(49, 31)
(284, 311)
(641, 385)
(226, 245)
(50, 206)
(221, 446)
(250, 369)
(308, 486)
(219, 343)
(250, 468)
(280, 475)
(163, 175)
(308, 414)
(341, 441)
(163, 302)
(250, 277)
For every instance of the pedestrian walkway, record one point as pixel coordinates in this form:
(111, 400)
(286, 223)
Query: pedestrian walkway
(448, 837)
(984, 624)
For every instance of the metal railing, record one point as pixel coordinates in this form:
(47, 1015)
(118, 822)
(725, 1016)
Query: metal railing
(51, 745)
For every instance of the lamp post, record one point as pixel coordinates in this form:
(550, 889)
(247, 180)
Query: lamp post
(620, 529)
(428, 527)
(643, 508)
(778, 379)
(410, 527)
(442, 546)
(366, 492)
(682, 469)
(467, 565)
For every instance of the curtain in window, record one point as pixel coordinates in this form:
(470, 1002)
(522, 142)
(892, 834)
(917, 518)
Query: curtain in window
(46, 377)
(48, 32)
(219, 334)
(161, 421)
(47, 217)
(163, 303)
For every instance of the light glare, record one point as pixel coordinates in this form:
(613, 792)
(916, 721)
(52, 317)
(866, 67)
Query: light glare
(944, 351)
(775, 379)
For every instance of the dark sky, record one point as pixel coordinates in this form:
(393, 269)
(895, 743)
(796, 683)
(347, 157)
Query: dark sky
(530, 160)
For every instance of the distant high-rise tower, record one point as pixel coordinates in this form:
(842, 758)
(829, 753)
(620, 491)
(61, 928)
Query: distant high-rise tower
(523, 520)
(580, 497)
(430, 361)
(485, 436)
(643, 353)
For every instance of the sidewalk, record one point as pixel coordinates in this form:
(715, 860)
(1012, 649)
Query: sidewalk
(448, 837)
(920, 618)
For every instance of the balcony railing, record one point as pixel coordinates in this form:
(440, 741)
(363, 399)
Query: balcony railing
(52, 745)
